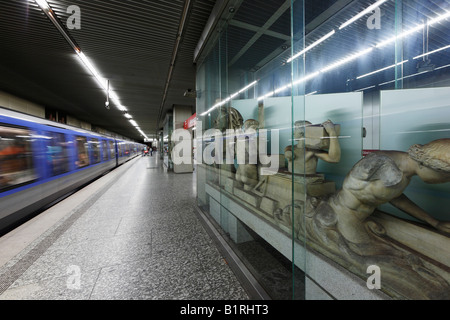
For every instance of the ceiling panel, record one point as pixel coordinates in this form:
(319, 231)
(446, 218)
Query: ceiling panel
(129, 42)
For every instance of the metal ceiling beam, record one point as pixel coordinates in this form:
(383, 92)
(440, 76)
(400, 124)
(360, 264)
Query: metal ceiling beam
(323, 17)
(210, 25)
(184, 17)
(253, 28)
(285, 6)
(222, 13)
(54, 19)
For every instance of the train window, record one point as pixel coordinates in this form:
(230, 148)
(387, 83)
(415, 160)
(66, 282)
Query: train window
(56, 153)
(95, 147)
(16, 159)
(112, 149)
(82, 152)
(104, 151)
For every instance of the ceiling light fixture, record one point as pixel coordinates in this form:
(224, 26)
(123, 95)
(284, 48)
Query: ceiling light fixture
(221, 103)
(356, 55)
(382, 69)
(298, 81)
(415, 29)
(431, 52)
(413, 75)
(314, 44)
(325, 37)
(400, 36)
(107, 96)
(43, 4)
(329, 67)
(362, 13)
(347, 59)
(104, 84)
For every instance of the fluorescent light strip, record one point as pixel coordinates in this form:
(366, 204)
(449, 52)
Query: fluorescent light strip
(442, 67)
(431, 52)
(88, 64)
(346, 60)
(325, 37)
(413, 75)
(212, 108)
(354, 56)
(381, 44)
(400, 36)
(415, 29)
(306, 78)
(382, 69)
(230, 97)
(362, 13)
(43, 4)
(323, 70)
(101, 81)
(282, 88)
(265, 96)
(366, 88)
(248, 86)
(439, 18)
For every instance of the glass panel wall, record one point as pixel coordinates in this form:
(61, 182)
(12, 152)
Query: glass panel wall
(325, 151)
(246, 127)
(167, 141)
(379, 72)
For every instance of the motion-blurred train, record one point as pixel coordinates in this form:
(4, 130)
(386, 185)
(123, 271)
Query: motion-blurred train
(41, 161)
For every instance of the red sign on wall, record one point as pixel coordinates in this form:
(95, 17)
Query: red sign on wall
(190, 122)
(365, 152)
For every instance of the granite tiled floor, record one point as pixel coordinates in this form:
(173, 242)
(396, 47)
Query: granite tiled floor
(137, 236)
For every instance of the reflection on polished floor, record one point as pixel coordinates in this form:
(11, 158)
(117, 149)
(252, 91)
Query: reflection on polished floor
(132, 234)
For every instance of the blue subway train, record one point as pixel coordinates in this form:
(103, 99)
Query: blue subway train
(41, 161)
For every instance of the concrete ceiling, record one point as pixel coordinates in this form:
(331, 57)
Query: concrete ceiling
(147, 49)
(131, 43)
